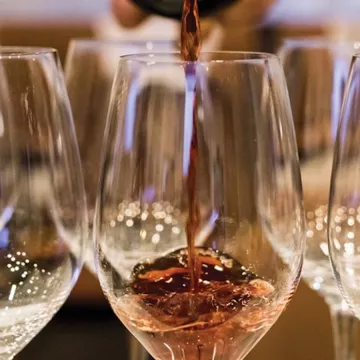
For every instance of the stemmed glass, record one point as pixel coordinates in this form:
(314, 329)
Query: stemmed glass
(249, 201)
(43, 220)
(344, 203)
(89, 72)
(316, 71)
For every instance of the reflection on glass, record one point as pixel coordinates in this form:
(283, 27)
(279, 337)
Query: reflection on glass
(89, 72)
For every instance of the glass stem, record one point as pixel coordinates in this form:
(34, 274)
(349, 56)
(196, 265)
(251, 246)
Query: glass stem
(344, 326)
(136, 350)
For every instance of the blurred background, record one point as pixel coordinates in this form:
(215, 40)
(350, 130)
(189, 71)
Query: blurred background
(86, 329)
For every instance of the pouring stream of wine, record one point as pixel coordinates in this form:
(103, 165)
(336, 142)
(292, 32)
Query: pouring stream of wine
(190, 49)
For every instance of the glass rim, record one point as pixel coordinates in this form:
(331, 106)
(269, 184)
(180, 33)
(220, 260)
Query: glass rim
(17, 52)
(318, 42)
(113, 42)
(235, 57)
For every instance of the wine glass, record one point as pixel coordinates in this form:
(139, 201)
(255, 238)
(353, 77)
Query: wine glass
(43, 219)
(224, 192)
(89, 72)
(316, 70)
(344, 202)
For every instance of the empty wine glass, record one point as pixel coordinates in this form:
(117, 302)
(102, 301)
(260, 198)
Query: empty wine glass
(242, 177)
(89, 73)
(43, 220)
(316, 70)
(344, 203)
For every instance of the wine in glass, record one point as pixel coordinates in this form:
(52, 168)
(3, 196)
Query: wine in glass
(43, 220)
(316, 71)
(344, 203)
(199, 175)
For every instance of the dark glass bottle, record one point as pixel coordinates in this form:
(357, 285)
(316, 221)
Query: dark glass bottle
(173, 8)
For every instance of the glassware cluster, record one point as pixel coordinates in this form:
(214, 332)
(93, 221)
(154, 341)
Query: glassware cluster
(277, 177)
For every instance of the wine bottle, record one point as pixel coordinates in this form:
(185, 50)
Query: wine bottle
(173, 8)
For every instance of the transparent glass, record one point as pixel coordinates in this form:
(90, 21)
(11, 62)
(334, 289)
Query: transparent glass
(344, 211)
(316, 71)
(43, 220)
(89, 72)
(244, 175)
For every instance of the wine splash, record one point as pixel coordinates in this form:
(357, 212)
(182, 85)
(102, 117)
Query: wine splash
(232, 305)
(225, 287)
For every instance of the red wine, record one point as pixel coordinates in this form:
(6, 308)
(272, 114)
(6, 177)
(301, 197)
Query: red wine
(231, 306)
(224, 286)
(190, 48)
(190, 31)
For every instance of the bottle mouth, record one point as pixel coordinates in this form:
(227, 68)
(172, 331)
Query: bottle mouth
(173, 8)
